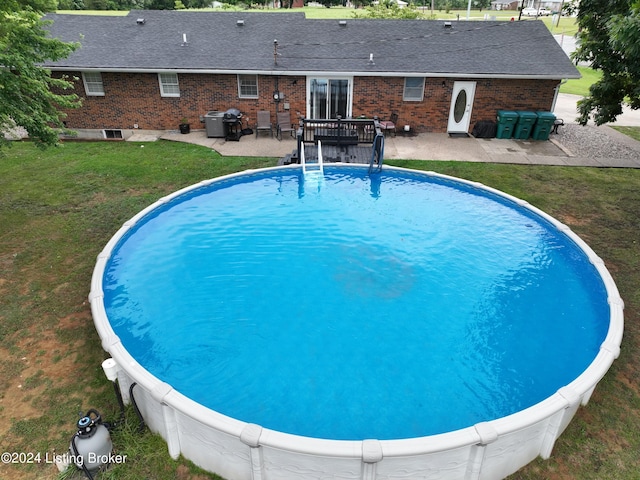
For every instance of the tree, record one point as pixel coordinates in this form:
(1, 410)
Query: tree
(28, 95)
(609, 38)
(160, 5)
(71, 4)
(389, 9)
(330, 3)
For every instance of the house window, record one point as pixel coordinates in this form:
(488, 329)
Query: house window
(93, 83)
(112, 133)
(169, 84)
(413, 89)
(248, 86)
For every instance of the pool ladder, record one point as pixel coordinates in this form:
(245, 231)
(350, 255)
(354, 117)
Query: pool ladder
(377, 154)
(315, 166)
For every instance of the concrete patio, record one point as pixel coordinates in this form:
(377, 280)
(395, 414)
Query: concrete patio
(440, 146)
(428, 146)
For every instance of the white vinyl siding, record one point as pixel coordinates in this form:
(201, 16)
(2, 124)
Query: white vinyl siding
(93, 86)
(169, 84)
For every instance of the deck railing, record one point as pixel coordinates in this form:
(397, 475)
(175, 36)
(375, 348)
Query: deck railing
(341, 131)
(338, 132)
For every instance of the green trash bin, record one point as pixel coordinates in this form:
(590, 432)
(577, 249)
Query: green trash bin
(543, 126)
(524, 127)
(506, 123)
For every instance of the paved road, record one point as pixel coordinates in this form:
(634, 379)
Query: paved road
(566, 104)
(567, 110)
(568, 44)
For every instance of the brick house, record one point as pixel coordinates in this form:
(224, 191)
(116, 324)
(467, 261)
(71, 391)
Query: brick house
(505, 4)
(149, 69)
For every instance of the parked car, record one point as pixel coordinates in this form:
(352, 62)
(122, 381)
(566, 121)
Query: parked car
(535, 12)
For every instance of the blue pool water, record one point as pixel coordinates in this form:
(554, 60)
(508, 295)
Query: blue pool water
(353, 307)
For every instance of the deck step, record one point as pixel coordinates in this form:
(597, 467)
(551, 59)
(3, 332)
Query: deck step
(331, 154)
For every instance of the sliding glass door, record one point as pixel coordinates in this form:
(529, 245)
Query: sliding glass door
(328, 97)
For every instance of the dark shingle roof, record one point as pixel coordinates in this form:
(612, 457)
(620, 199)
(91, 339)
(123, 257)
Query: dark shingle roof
(215, 42)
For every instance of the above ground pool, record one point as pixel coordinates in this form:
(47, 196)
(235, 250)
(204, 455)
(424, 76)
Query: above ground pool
(394, 321)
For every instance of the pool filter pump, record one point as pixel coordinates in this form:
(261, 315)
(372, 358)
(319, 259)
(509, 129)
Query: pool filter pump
(91, 445)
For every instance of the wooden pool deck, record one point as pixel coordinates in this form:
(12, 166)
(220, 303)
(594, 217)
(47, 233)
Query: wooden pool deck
(331, 154)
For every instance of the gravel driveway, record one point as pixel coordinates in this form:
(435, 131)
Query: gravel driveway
(597, 142)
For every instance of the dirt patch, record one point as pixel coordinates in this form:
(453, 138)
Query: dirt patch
(43, 360)
(98, 198)
(13, 403)
(6, 264)
(627, 382)
(571, 220)
(182, 473)
(562, 471)
(7, 260)
(75, 320)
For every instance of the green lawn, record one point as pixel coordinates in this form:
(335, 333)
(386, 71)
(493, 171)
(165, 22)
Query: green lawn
(581, 86)
(563, 25)
(566, 25)
(59, 207)
(633, 132)
(110, 13)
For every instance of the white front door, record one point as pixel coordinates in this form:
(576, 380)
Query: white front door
(461, 105)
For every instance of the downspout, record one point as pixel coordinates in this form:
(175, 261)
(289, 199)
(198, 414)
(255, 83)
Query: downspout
(557, 91)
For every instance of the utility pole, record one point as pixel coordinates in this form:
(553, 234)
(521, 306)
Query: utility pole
(560, 13)
(520, 14)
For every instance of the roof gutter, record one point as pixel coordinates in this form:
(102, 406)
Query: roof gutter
(319, 73)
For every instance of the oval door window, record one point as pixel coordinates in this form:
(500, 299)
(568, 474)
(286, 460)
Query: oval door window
(460, 106)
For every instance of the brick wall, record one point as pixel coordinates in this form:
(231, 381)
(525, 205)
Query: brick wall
(135, 99)
(383, 96)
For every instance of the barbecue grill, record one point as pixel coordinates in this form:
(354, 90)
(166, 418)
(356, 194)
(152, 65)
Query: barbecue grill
(232, 115)
(232, 120)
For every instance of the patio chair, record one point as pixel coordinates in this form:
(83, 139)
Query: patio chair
(284, 124)
(389, 125)
(264, 122)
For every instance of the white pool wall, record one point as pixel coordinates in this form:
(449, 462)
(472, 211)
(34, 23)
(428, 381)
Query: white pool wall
(242, 451)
